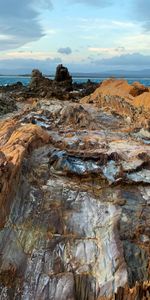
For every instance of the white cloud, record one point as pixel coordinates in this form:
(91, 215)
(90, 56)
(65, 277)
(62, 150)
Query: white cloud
(107, 52)
(135, 59)
(19, 20)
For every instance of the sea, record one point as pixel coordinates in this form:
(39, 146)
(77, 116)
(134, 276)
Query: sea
(7, 80)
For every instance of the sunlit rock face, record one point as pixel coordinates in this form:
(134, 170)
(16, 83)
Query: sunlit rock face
(129, 101)
(75, 202)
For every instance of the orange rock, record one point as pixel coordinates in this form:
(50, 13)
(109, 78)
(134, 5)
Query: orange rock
(138, 89)
(139, 291)
(142, 100)
(117, 96)
(121, 88)
(115, 87)
(15, 145)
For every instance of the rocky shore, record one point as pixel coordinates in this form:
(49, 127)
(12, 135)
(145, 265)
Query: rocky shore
(74, 190)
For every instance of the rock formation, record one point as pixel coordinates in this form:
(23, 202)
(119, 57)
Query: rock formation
(62, 74)
(121, 88)
(75, 199)
(117, 96)
(40, 86)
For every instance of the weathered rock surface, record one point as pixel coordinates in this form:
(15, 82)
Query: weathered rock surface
(7, 104)
(117, 97)
(121, 88)
(62, 74)
(75, 201)
(62, 87)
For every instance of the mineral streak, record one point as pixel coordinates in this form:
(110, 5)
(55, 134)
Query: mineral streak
(75, 197)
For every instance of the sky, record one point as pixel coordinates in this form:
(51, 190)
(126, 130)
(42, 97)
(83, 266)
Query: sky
(84, 35)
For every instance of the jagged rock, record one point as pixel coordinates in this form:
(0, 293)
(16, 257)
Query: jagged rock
(75, 201)
(138, 89)
(121, 88)
(41, 86)
(39, 82)
(62, 74)
(114, 96)
(13, 148)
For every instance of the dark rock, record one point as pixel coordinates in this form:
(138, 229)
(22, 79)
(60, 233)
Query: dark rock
(75, 201)
(38, 81)
(7, 104)
(62, 74)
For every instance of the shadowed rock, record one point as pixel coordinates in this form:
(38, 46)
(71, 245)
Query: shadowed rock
(7, 104)
(62, 74)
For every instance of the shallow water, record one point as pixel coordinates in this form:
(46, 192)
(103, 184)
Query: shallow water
(4, 80)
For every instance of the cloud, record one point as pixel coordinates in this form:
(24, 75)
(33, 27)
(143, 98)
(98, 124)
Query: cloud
(129, 60)
(66, 50)
(19, 22)
(142, 12)
(100, 3)
(25, 65)
(107, 52)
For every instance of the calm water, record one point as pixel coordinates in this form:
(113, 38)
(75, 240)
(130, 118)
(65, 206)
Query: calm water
(4, 80)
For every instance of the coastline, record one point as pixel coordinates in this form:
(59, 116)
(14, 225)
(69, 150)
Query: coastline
(75, 186)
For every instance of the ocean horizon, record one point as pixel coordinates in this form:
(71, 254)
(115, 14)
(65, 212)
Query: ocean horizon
(25, 80)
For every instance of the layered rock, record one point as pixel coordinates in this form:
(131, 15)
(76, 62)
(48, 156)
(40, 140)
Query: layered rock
(15, 142)
(121, 88)
(117, 96)
(75, 201)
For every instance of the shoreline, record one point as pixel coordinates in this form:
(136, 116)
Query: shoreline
(75, 183)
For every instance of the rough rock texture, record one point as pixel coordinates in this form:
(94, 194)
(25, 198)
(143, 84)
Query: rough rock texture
(7, 104)
(121, 88)
(143, 100)
(40, 86)
(75, 203)
(115, 96)
(15, 141)
(62, 74)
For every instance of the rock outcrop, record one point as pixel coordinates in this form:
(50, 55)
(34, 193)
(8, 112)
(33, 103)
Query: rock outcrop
(62, 74)
(121, 88)
(75, 201)
(117, 96)
(62, 87)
